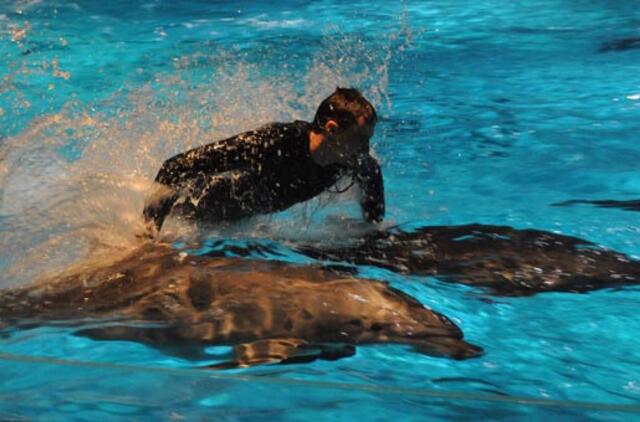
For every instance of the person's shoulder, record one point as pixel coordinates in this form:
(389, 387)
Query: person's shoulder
(276, 132)
(299, 127)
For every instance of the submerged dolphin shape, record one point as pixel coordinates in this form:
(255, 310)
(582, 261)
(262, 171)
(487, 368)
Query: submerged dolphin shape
(628, 205)
(270, 312)
(505, 260)
(621, 44)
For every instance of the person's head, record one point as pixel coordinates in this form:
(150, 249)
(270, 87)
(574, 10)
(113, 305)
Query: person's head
(342, 127)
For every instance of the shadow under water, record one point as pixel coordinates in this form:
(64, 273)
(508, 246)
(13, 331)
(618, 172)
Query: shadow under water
(629, 205)
(271, 312)
(621, 44)
(505, 260)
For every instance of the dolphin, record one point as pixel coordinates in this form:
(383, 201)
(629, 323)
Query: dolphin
(268, 311)
(504, 260)
(621, 44)
(628, 205)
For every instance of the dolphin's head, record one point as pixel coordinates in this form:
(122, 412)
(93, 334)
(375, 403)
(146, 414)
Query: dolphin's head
(405, 320)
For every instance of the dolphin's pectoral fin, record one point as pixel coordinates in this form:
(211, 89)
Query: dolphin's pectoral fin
(448, 347)
(264, 351)
(283, 351)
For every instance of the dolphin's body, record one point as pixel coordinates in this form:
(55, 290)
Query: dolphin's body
(269, 311)
(505, 260)
(628, 205)
(621, 44)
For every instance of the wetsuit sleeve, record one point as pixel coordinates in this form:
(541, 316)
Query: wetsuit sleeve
(369, 176)
(209, 159)
(156, 208)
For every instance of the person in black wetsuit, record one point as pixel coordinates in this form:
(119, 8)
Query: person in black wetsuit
(274, 167)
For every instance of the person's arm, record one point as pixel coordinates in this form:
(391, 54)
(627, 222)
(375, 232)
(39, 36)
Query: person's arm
(156, 208)
(369, 176)
(210, 159)
(177, 171)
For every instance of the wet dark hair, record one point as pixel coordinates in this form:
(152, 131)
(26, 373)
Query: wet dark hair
(345, 106)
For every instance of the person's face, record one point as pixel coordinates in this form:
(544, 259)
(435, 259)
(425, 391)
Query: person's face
(343, 145)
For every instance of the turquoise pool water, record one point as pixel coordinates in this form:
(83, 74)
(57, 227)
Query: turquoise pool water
(491, 112)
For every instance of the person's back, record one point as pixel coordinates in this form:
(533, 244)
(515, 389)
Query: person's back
(274, 167)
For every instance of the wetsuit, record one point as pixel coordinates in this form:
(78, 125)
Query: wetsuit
(257, 172)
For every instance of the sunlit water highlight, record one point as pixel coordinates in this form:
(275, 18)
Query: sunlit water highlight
(490, 113)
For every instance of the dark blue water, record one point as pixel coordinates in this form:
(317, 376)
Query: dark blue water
(491, 112)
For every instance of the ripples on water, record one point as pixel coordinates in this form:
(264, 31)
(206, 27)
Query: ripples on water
(491, 112)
